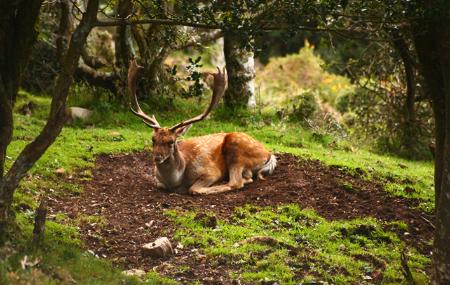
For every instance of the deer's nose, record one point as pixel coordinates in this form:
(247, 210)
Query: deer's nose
(158, 158)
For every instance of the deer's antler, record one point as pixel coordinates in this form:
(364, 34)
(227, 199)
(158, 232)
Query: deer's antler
(219, 87)
(136, 109)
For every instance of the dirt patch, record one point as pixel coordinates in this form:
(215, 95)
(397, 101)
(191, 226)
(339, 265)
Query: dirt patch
(123, 192)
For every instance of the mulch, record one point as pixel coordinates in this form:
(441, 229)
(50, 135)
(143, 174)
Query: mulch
(123, 191)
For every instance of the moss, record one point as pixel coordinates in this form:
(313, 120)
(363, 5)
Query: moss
(306, 247)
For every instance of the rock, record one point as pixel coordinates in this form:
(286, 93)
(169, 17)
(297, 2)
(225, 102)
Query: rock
(149, 224)
(79, 113)
(134, 272)
(116, 136)
(158, 249)
(60, 171)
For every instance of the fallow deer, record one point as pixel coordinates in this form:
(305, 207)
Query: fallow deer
(194, 165)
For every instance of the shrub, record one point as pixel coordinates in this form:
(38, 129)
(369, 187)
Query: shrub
(304, 107)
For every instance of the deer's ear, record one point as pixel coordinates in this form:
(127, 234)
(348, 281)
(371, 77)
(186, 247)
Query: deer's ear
(181, 131)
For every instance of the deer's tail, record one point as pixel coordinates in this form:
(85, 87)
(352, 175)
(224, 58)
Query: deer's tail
(269, 167)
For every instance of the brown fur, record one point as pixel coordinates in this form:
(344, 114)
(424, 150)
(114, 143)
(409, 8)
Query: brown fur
(206, 160)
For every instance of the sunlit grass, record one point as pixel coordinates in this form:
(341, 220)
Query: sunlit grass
(304, 247)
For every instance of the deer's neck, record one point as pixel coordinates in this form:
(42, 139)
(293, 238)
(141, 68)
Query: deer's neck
(171, 171)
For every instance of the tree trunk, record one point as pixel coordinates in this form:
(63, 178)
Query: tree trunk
(410, 134)
(17, 36)
(64, 29)
(124, 48)
(33, 151)
(432, 42)
(154, 47)
(241, 73)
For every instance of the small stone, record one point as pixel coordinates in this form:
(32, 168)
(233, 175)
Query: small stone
(79, 113)
(367, 277)
(134, 272)
(161, 247)
(60, 171)
(403, 166)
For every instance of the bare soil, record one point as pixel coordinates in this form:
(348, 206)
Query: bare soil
(123, 191)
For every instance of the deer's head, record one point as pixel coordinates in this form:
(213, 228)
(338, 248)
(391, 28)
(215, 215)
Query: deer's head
(165, 139)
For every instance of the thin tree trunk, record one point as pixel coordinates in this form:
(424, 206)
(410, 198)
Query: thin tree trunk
(6, 128)
(64, 29)
(124, 49)
(17, 36)
(241, 73)
(410, 136)
(432, 42)
(33, 151)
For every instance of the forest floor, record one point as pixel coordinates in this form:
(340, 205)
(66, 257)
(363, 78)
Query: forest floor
(122, 210)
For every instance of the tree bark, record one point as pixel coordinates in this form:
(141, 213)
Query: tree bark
(410, 134)
(124, 50)
(432, 43)
(154, 46)
(17, 36)
(241, 73)
(64, 29)
(93, 77)
(33, 151)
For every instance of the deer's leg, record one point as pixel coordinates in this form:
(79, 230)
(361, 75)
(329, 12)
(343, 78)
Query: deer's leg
(236, 179)
(247, 176)
(203, 187)
(160, 186)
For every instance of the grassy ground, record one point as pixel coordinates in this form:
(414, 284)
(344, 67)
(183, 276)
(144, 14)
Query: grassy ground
(297, 242)
(118, 131)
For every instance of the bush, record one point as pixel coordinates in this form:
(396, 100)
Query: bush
(285, 77)
(304, 107)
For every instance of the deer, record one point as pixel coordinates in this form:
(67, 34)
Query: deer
(196, 165)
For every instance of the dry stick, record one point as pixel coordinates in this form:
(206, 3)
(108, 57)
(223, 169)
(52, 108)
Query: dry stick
(405, 268)
(39, 222)
(428, 221)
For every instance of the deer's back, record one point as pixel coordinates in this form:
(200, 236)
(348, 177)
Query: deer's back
(214, 152)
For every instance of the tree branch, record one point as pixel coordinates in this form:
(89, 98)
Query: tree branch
(92, 61)
(33, 151)
(97, 78)
(201, 39)
(173, 22)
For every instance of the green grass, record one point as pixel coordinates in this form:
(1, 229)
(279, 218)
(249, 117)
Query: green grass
(309, 248)
(115, 130)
